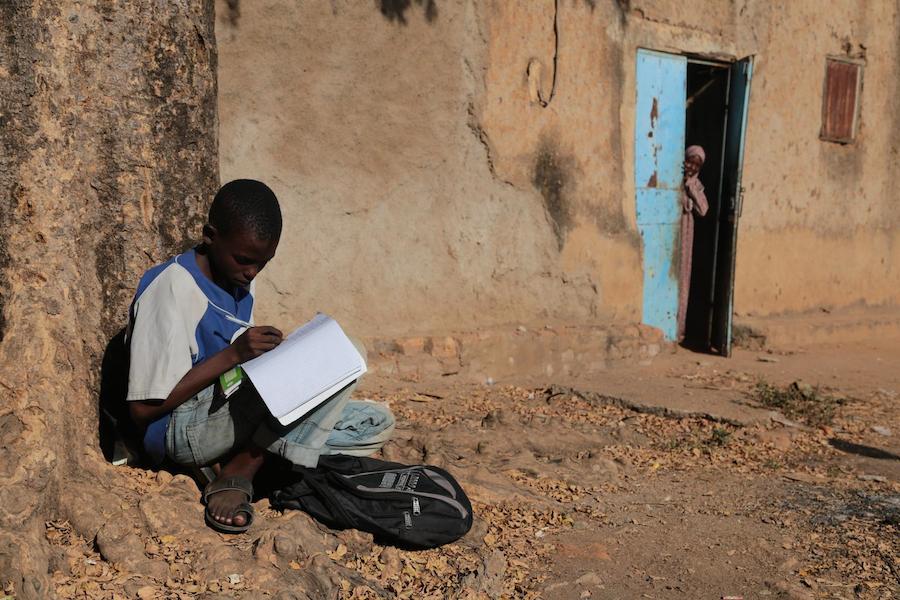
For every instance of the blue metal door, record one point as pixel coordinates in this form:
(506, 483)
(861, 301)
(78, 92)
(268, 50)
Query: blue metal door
(659, 157)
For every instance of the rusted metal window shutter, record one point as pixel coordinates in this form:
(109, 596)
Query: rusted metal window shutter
(841, 95)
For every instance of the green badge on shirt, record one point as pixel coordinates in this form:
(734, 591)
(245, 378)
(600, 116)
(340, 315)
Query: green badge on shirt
(230, 380)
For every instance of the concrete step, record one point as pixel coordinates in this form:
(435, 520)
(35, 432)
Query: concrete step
(858, 324)
(515, 351)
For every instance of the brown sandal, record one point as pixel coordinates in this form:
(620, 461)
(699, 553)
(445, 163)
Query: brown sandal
(235, 483)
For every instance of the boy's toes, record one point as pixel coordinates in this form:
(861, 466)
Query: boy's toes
(222, 517)
(228, 507)
(222, 510)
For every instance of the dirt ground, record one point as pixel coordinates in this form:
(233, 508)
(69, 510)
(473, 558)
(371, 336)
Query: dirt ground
(669, 480)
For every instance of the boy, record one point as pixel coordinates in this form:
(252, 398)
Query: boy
(190, 322)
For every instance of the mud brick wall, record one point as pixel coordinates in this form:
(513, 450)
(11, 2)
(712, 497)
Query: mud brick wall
(455, 165)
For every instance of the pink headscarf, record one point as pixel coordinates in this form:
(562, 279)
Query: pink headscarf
(697, 151)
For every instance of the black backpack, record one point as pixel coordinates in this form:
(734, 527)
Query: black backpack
(410, 506)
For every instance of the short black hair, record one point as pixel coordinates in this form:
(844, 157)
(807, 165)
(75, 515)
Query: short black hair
(249, 205)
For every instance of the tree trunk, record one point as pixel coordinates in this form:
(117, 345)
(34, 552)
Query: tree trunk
(108, 159)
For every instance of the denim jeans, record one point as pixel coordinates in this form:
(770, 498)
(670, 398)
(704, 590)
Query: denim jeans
(208, 427)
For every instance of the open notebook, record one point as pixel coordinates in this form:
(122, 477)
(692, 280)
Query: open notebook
(307, 368)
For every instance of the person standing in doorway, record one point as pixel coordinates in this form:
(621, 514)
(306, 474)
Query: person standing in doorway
(693, 203)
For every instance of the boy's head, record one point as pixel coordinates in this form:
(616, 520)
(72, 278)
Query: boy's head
(242, 232)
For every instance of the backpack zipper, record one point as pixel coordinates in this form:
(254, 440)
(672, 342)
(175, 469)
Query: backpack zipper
(439, 479)
(463, 512)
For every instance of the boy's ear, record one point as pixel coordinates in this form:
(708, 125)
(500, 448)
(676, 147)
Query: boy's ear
(209, 233)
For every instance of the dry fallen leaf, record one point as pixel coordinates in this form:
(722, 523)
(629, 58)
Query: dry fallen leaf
(147, 592)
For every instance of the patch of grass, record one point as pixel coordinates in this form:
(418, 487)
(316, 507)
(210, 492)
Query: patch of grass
(676, 444)
(799, 401)
(719, 437)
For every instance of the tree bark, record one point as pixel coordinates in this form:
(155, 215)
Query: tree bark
(108, 160)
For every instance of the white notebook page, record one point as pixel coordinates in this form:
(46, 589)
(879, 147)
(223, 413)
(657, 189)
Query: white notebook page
(312, 363)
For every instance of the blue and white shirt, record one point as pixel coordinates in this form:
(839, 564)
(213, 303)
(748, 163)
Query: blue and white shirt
(178, 319)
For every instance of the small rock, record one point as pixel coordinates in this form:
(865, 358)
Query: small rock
(878, 478)
(805, 389)
(767, 359)
(881, 430)
(234, 578)
(589, 579)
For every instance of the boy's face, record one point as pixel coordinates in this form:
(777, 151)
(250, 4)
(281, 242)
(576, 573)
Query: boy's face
(237, 257)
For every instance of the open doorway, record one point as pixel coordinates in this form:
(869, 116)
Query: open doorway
(706, 109)
(717, 99)
(681, 101)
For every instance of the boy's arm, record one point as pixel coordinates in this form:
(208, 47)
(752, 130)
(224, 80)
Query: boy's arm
(248, 345)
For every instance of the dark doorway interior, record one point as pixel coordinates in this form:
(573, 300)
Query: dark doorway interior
(705, 125)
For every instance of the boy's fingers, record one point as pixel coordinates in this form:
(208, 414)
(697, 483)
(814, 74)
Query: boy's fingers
(267, 330)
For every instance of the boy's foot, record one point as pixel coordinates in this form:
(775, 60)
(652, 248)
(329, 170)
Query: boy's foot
(241, 515)
(227, 505)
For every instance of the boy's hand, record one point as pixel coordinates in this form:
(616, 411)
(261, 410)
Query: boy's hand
(256, 341)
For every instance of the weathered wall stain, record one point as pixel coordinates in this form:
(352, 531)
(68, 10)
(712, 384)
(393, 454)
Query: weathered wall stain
(552, 178)
(233, 13)
(395, 10)
(608, 213)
